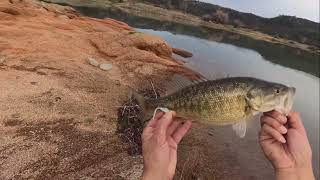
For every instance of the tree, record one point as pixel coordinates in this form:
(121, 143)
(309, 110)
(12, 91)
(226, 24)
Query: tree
(220, 17)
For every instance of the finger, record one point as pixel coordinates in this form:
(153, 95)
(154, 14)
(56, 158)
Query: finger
(294, 121)
(181, 131)
(174, 114)
(274, 124)
(154, 120)
(277, 115)
(266, 129)
(173, 126)
(164, 122)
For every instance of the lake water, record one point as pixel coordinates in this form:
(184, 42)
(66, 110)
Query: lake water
(220, 54)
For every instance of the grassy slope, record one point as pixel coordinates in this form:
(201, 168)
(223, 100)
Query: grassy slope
(289, 27)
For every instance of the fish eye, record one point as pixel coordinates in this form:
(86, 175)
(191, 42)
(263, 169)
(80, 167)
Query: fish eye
(277, 90)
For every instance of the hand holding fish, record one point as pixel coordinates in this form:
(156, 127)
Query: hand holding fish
(287, 147)
(160, 140)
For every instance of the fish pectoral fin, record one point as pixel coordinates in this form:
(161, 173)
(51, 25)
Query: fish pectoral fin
(240, 128)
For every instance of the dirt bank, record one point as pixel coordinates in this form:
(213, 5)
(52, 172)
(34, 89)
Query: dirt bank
(58, 114)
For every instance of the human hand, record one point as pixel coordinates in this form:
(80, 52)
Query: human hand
(285, 143)
(160, 140)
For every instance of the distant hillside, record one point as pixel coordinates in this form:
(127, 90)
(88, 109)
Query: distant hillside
(289, 27)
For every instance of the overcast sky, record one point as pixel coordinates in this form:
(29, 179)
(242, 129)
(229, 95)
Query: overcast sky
(308, 9)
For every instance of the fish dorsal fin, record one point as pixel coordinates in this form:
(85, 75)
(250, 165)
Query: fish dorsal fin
(240, 128)
(216, 75)
(179, 82)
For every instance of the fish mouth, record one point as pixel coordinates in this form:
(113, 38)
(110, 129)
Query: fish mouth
(292, 90)
(286, 102)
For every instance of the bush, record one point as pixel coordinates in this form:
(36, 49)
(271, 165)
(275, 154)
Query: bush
(238, 23)
(220, 17)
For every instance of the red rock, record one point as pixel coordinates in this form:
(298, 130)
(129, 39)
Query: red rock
(182, 52)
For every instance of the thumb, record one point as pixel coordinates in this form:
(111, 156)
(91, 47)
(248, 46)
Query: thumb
(163, 124)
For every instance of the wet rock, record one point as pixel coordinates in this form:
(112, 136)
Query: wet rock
(182, 52)
(106, 67)
(93, 62)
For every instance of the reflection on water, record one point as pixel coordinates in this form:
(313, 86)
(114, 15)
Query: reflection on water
(278, 54)
(218, 54)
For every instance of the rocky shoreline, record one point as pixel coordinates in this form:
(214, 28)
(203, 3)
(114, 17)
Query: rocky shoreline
(58, 113)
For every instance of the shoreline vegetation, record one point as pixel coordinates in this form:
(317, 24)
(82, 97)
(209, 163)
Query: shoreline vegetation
(152, 11)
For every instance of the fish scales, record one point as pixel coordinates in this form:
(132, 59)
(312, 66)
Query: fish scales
(229, 101)
(214, 102)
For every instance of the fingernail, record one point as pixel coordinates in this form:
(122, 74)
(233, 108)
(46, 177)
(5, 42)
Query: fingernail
(283, 130)
(285, 120)
(168, 115)
(283, 140)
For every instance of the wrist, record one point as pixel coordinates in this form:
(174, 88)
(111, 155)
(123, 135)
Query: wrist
(301, 173)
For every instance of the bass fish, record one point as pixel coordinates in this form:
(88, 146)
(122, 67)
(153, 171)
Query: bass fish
(228, 101)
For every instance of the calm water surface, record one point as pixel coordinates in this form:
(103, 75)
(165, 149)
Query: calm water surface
(220, 54)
